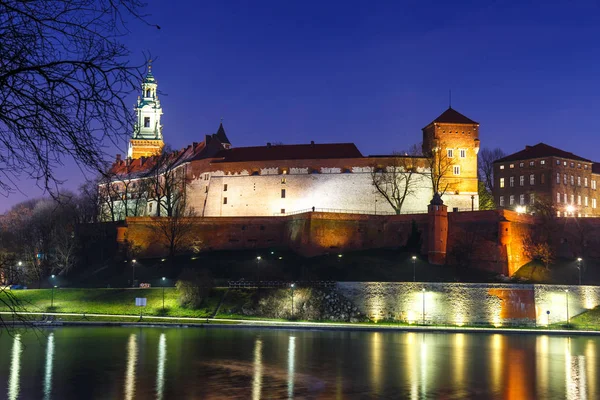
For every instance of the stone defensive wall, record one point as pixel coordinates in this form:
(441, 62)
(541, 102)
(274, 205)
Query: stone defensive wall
(469, 304)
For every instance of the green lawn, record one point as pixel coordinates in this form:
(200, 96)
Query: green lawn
(111, 301)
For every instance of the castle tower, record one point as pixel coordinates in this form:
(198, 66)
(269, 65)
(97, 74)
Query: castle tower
(455, 138)
(438, 231)
(147, 139)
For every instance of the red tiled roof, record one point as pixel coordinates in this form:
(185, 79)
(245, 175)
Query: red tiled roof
(451, 116)
(541, 150)
(289, 152)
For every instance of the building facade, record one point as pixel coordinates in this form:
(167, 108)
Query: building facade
(543, 173)
(272, 180)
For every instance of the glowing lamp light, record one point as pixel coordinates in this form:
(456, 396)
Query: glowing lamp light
(521, 209)
(259, 258)
(414, 257)
(570, 209)
(579, 259)
(339, 256)
(163, 278)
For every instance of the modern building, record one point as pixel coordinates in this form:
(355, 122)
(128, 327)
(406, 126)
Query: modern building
(545, 173)
(219, 179)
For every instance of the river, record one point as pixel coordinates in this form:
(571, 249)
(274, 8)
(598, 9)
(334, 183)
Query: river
(216, 363)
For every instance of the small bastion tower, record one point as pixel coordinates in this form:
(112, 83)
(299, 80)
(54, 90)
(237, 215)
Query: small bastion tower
(147, 138)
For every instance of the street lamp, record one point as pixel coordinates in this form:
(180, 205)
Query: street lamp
(570, 210)
(414, 260)
(258, 258)
(423, 291)
(292, 289)
(579, 260)
(567, 298)
(133, 272)
(163, 285)
(52, 301)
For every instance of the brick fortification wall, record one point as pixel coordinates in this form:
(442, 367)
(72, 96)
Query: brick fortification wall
(476, 238)
(464, 304)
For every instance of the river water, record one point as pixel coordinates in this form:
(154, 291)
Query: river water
(191, 363)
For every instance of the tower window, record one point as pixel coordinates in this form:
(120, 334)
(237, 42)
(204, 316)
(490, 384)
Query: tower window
(501, 201)
(457, 170)
(146, 122)
(450, 153)
(225, 187)
(283, 193)
(224, 200)
(148, 93)
(463, 153)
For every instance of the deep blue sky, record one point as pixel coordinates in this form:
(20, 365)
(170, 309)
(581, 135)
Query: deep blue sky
(373, 73)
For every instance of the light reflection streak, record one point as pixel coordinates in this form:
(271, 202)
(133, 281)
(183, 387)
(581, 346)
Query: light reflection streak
(258, 370)
(423, 367)
(162, 359)
(542, 359)
(376, 362)
(496, 362)
(49, 363)
(459, 359)
(412, 362)
(15, 368)
(590, 355)
(574, 374)
(291, 365)
(131, 364)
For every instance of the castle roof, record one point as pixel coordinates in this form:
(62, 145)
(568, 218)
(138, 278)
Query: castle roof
(541, 150)
(451, 116)
(290, 152)
(221, 135)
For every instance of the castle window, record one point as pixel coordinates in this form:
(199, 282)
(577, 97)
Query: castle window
(457, 170)
(542, 180)
(558, 197)
(463, 153)
(511, 181)
(149, 208)
(283, 210)
(521, 165)
(283, 193)
(148, 93)
(522, 199)
(543, 162)
(578, 165)
(565, 179)
(557, 177)
(511, 200)
(522, 180)
(558, 214)
(572, 199)
(564, 163)
(578, 181)
(593, 184)
(502, 167)
(501, 182)
(557, 162)
(572, 165)
(224, 200)
(283, 181)
(501, 201)
(532, 179)
(532, 163)
(585, 201)
(512, 165)
(593, 203)
(572, 180)
(206, 177)
(585, 182)
(585, 166)
(565, 199)
(225, 187)
(146, 122)
(578, 200)
(450, 153)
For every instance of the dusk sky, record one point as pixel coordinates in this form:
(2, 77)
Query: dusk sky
(371, 73)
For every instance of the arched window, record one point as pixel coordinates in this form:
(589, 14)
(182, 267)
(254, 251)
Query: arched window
(148, 93)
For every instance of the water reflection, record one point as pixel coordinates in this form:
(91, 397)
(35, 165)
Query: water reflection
(291, 362)
(132, 350)
(49, 363)
(575, 374)
(162, 359)
(15, 368)
(258, 370)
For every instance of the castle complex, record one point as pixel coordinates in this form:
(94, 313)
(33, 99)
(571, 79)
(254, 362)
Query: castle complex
(220, 180)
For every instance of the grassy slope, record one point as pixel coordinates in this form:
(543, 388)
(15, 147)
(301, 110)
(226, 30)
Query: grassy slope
(111, 301)
(562, 271)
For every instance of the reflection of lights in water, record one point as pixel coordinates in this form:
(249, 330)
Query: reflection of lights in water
(49, 362)
(574, 374)
(376, 361)
(423, 368)
(131, 362)
(496, 362)
(15, 368)
(590, 355)
(542, 357)
(257, 381)
(291, 365)
(160, 373)
(459, 359)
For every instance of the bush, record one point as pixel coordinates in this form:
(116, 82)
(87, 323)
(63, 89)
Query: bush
(194, 287)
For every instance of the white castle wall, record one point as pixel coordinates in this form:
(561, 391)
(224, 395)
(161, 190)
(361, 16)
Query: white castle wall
(260, 195)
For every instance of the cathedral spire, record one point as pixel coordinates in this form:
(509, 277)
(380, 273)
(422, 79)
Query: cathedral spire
(147, 136)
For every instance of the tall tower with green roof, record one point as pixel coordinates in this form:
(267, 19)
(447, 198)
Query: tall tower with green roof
(147, 138)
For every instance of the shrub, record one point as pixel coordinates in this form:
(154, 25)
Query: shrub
(193, 287)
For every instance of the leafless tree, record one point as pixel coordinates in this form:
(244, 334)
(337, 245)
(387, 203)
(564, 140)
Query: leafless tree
(64, 77)
(175, 231)
(397, 179)
(485, 166)
(439, 168)
(166, 183)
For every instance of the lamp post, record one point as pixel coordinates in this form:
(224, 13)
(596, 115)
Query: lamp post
(423, 291)
(133, 272)
(375, 206)
(567, 298)
(52, 301)
(292, 289)
(414, 260)
(579, 259)
(258, 258)
(163, 287)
